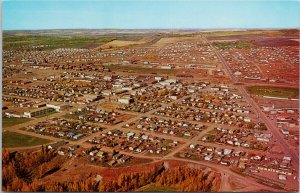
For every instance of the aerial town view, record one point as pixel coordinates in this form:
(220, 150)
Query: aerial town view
(145, 108)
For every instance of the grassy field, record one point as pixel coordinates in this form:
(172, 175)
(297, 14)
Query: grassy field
(154, 188)
(274, 91)
(8, 122)
(241, 44)
(12, 139)
(141, 70)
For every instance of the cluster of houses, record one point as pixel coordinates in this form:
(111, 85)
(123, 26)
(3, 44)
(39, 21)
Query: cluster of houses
(247, 138)
(262, 63)
(241, 67)
(76, 85)
(79, 87)
(168, 90)
(141, 107)
(162, 56)
(111, 159)
(62, 149)
(63, 128)
(245, 161)
(190, 52)
(35, 93)
(285, 117)
(80, 66)
(93, 114)
(17, 101)
(167, 126)
(179, 53)
(43, 57)
(217, 100)
(196, 114)
(134, 142)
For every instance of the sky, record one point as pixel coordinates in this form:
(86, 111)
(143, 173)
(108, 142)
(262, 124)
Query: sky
(149, 14)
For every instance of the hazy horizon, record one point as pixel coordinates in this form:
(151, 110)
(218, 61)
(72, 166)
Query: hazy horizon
(149, 29)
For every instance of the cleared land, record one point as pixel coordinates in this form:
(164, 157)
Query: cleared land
(169, 40)
(274, 91)
(12, 139)
(8, 122)
(109, 105)
(122, 43)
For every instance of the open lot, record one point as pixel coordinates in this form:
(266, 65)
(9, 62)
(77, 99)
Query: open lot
(12, 139)
(122, 43)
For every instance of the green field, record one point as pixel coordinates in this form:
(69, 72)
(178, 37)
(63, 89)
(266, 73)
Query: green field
(12, 139)
(49, 42)
(280, 92)
(241, 44)
(8, 122)
(141, 70)
(154, 188)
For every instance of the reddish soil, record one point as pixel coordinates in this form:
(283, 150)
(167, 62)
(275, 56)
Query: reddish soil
(276, 42)
(263, 40)
(239, 37)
